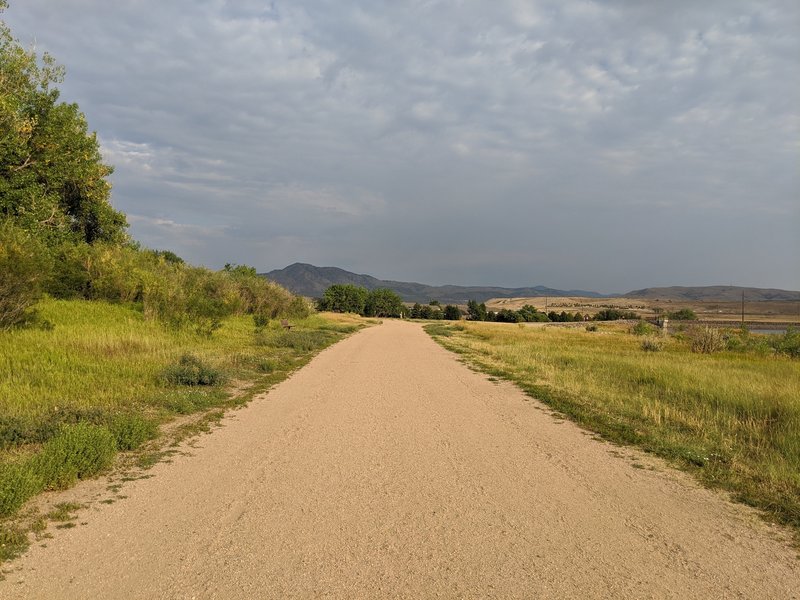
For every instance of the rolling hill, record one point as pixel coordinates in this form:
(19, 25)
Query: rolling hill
(715, 293)
(311, 281)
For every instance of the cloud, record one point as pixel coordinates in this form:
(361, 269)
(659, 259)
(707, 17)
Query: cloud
(448, 141)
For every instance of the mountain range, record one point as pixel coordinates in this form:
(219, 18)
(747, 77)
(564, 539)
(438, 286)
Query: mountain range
(311, 281)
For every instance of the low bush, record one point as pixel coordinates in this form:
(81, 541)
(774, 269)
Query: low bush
(788, 343)
(642, 328)
(132, 430)
(18, 482)
(77, 452)
(24, 265)
(190, 370)
(707, 340)
(651, 344)
(260, 321)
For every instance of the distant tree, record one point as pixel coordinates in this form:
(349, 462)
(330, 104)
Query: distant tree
(344, 297)
(476, 312)
(425, 312)
(416, 311)
(452, 313)
(683, 314)
(383, 302)
(434, 303)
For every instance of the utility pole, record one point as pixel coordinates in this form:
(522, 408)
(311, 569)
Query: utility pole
(742, 309)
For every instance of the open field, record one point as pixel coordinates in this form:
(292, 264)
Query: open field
(733, 419)
(765, 312)
(100, 378)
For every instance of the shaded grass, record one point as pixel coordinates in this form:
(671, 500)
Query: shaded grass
(731, 419)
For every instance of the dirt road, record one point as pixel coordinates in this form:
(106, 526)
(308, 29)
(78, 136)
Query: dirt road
(386, 468)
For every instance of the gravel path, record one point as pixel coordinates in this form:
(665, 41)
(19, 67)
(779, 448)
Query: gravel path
(385, 469)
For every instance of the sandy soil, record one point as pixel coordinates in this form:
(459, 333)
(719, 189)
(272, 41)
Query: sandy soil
(386, 468)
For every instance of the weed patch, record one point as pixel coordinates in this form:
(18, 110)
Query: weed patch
(78, 451)
(13, 542)
(190, 370)
(132, 430)
(18, 482)
(301, 341)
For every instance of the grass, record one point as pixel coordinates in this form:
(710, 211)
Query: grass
(104, 380)
(732, 419)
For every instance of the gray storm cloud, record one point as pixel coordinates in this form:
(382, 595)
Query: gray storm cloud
(576, 144)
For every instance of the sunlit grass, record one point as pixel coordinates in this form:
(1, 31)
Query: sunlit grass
(733, 419)
(103, 378)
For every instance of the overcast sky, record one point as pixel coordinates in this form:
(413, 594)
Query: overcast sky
(575, 144)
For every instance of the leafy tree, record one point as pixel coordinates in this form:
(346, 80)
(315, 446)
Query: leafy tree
(452, 313)
(383, 302)
(508, 316)
(683, 314)
(416, 311)
(476, 312)
(344, 297)
(52, 178)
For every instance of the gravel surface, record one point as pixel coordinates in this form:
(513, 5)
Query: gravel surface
(387, 469)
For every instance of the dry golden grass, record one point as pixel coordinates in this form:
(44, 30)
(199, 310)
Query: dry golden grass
(733, 419)
(755, 312)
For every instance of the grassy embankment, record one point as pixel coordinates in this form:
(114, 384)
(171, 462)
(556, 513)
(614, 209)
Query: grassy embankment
(732, 419)
(104, 379)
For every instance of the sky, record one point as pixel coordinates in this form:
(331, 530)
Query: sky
(605, 146)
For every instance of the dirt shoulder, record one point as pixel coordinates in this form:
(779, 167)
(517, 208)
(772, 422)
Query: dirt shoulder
(386, 468)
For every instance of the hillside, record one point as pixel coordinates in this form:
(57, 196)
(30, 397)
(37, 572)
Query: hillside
(311, 281)
(715, 293)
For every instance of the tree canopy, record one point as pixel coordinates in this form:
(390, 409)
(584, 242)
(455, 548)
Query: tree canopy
(53, 181)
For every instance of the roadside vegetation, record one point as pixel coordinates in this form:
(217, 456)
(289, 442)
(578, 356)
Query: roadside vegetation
(103, 341)
(105, 379)
(726, 410)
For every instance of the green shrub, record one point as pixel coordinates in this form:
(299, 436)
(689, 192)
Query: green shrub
(77, 452)
(24, 267)
(132, 430)
(190, 370)
(642, 328)
(260, 321)
(683, 314)
(788, 343)
(591, 327)
(18, 482)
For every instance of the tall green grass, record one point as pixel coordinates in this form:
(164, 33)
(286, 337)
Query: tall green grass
(731, 418)
(103, 378)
